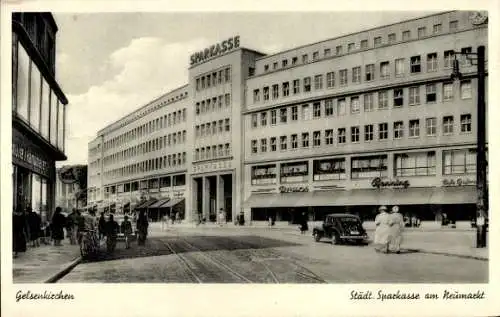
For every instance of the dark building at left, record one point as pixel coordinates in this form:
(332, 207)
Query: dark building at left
(38, 113)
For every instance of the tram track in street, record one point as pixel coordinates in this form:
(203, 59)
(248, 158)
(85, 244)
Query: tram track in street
(183, 262)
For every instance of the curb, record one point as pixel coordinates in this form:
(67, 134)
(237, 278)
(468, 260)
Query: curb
(64, 271)
(464, 256)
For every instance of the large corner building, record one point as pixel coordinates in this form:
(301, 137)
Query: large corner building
(345, 124)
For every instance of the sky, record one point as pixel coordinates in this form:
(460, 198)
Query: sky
(109, 64)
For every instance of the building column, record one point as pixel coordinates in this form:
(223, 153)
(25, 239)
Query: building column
(220, 203)
(206, 198)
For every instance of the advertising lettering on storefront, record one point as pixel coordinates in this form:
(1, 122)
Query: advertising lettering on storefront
(216, 50)
(36, 162)
(379, 183)
(293, 189)
(450, 182)
(210, 167)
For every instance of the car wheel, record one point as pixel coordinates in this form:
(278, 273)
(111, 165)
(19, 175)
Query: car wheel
(336, 239)
(317, 237)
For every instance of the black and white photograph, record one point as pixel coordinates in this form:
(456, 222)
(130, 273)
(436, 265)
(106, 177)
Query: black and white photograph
(248, 147)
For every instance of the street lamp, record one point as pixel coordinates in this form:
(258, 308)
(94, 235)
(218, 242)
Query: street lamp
(481, 183)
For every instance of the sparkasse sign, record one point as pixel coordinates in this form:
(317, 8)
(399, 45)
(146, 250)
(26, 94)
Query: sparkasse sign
(216, 50)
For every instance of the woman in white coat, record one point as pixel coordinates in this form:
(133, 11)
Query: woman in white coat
(396, 230)
(382, 232)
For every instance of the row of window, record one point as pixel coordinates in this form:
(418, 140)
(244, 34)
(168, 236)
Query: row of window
(212, 128)
(213, 79)
(213, 104)
(212, 152)
(339, 106)
(406, 35)
(161, 162)
(156, 144)
(153, 183)
(384, 72)
(328, 138)
(145, 129)
(455, 162)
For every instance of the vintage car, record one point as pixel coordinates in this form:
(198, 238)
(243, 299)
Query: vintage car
(341, 228)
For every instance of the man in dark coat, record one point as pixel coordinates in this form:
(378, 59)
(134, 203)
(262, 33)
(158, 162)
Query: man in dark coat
(57, 225)
(102, 226)
(18, 232)
(34, 224)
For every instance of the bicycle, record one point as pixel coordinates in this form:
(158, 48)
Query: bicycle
(89, 244)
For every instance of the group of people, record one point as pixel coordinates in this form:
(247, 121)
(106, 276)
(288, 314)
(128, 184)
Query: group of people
(389, 229)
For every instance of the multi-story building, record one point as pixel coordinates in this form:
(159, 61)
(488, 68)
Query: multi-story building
(38, 113)
(348, 123)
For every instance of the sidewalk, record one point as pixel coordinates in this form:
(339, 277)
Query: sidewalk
(43, 264)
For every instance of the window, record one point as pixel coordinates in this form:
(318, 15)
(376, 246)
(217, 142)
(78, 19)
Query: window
(364, 44)
(254, 146)
(307, 84)
(266, 68)
(221, 126)
(228, 126)
(356, 74)
(430, 92)
(266, 93)
(391, 38)
(399, 67)
(453, 26)
(330, 80)
(432, 62)
(318, 82)
(464, 60)
(398, 129)
(329, 169)
(383, 99)
(35, 96)
(315, 56)
(263, 145)
(317, 110)
(383, 131)
(341, 105)
(414, 96)
(369, 166)
(461, 161)
(421, 32)
(264, 174)
(275, 91)
(286, 89)
(398, 97)
(283, 142)
(275, 65)
(295, 113)
(254, 120)
(415, 64)
(273, 117)
(317, 138)
(448, 125)
(377, 41)
(294, 60)
(414, 128)
(466, 89)
(341, 135)
(209, 81)
(263, 119)
(466, 122)
(351, 47)
(368, 102)
(329, 107)
(369, 72)
(384, 70)
(343, 77)
(305, 139)
(256, 95)
(305, 59)
(283, 115)
(449, 56)
(430, 126)
(329, 137)
(406, 35)
(369, 132)
(306, 113)
(415, 164)
(284, 63)
(273, 144)
(447, 91)
(355, 105)
(294, 172)
(338, 50)
(354, 134)
(327, 52)
(437, 28)
(295, 142)
(227, 148)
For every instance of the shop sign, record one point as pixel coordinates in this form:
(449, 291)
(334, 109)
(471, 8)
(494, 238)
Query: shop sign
(216, 50)
(379, 183)
(293, 189)
(26, 155)
(214, 166)
(450, 182)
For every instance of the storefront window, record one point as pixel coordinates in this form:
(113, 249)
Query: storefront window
(53, 119)
(44, 126)
(35, 95)
(135, 186)
(60, 127)
(369, 166)
(165, 182)
(39, 195)
(415, 164)
(264, 174)
(44, 208)
(329, 169)
(144, 185)
(461, 161)
(179, 180)
(154, 184)
(294, 172)
(22, 88)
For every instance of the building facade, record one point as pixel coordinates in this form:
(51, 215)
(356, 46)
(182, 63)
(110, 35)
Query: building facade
(71, 187)
(345, 124)
(38, 113)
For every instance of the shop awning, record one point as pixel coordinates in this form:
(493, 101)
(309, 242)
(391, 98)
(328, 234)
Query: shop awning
(146, 204)
(280, 200)
(172, 202)
(159, 203)
(454, 195)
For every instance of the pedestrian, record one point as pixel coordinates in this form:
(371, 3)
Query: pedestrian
(382, 231)
(34, 224)
(87, 234)
(241, 222)
(71, 227)
(142, 227)
(57, 225)
(396, 230)
(126, 228)
(112, 230)
(178, 217)
(101, 226)
(18, 232)
(270, 222)
(303, 223)
(222, 217)
(80, 227)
